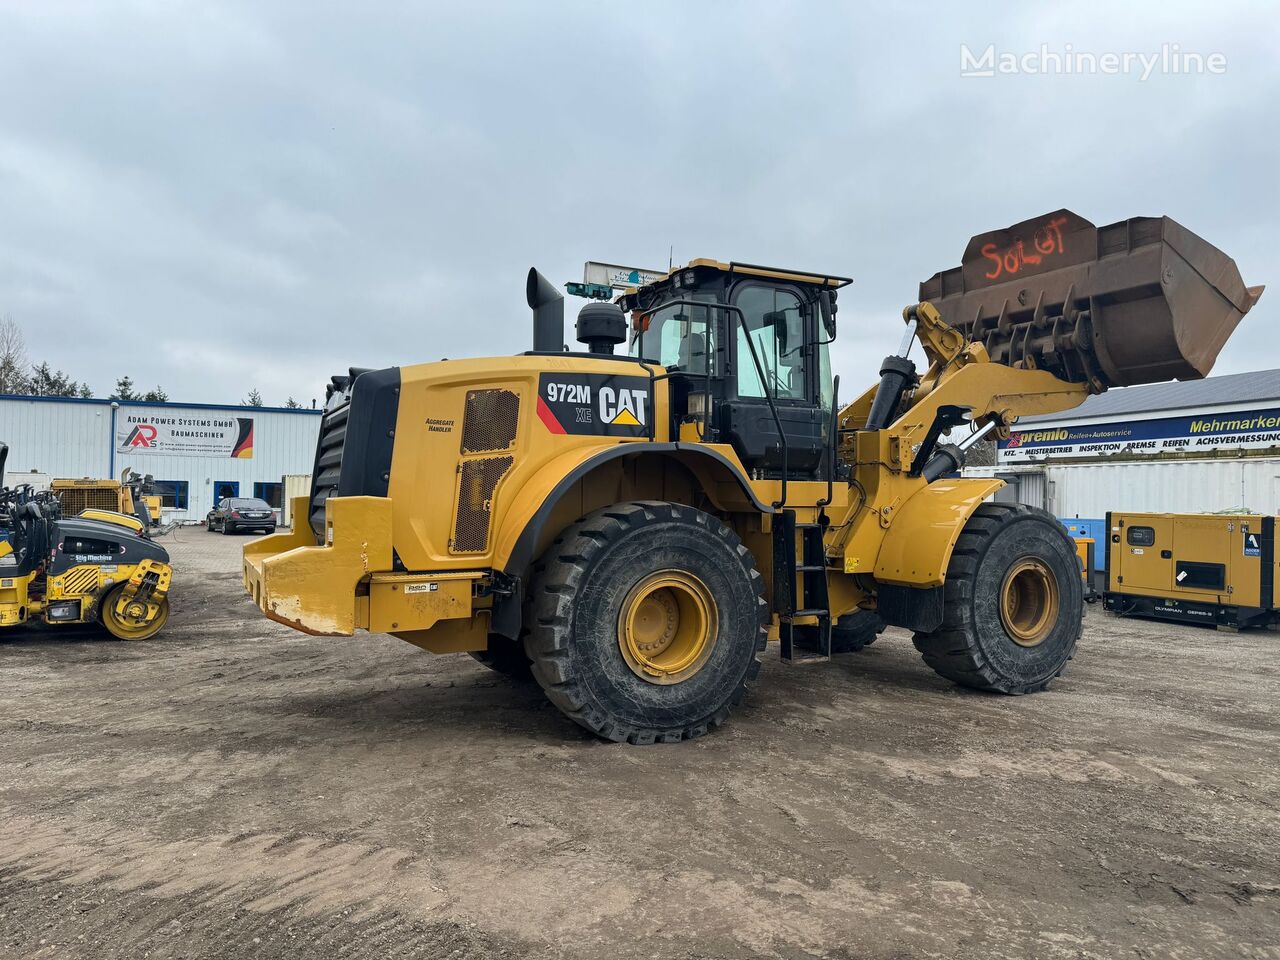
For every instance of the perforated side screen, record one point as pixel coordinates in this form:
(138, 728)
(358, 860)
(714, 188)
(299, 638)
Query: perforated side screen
(74, 500)
(490, 420)
(475, 502)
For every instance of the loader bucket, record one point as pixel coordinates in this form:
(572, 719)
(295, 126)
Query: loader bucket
(1139, 301)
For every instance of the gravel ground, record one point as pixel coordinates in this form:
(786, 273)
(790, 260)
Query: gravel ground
(234, 789)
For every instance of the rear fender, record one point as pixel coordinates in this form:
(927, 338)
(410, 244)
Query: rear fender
(535, 521)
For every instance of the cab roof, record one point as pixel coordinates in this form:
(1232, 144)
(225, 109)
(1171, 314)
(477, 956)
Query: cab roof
(830, 280)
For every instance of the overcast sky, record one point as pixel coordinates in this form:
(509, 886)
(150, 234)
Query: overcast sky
(222, 196)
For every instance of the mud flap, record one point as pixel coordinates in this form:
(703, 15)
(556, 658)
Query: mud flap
(916, 608)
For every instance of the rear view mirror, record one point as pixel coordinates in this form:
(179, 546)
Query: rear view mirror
(827, 309)
(778, 320)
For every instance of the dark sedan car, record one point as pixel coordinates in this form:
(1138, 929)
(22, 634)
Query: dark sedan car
(241, 513)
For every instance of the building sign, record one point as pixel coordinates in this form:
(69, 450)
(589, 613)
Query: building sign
(620, 277)
(1243, 429)
(185, 436)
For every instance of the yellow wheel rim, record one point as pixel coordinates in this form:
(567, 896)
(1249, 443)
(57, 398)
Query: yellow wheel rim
(668, 626)
(1029, 602)
(131, 624)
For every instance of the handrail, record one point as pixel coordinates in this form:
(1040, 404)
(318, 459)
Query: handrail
(831, 441)
(755, 359)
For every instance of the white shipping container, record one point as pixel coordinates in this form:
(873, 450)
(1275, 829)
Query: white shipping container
(39, 481)
(1245, 484)
(295, 485)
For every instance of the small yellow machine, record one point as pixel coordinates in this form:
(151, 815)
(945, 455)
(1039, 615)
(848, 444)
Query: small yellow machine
(117, 496)
(633, 528)
(1194, 568)
(99, 567)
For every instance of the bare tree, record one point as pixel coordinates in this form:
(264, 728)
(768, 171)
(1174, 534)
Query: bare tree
(14, 362)
(981, 454)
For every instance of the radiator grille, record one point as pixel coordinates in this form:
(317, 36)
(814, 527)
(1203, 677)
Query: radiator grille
(479, 478)
(73, 500)
(324, 483)
(80, 580)
(490, 420)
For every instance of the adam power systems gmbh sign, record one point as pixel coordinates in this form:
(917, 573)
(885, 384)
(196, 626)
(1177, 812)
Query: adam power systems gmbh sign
(186, 436)
(1245, 429)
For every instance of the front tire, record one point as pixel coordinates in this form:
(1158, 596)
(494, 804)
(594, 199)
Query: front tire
(1013, 607)
(647, 621)
(126, 627)
(852, 633)
(507, 657)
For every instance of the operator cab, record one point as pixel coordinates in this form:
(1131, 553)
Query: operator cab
(741, 342)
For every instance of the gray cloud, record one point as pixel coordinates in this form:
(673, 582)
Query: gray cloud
(366, 184)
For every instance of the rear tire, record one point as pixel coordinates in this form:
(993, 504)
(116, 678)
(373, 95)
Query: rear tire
(647, 621)
(1013, 603)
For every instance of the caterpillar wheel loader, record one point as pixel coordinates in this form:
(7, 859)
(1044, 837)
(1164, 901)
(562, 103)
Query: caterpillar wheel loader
(634, 528)
(99, 567)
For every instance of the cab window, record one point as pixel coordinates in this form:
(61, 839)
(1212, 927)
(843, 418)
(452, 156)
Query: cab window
(679, 336)
(774, 324)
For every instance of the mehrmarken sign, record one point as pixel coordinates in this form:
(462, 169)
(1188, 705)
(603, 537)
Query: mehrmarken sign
(1244, 429)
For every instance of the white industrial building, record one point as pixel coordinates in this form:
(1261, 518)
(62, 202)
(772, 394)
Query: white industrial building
(1202, 446)
(197, 452)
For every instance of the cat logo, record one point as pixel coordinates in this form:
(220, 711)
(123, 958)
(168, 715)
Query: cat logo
(624, 407)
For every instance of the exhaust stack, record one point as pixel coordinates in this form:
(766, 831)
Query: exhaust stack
(548, 313)
(1138, 301)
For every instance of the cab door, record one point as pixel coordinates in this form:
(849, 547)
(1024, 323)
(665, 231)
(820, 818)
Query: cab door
(775, 354)
(1143, 545)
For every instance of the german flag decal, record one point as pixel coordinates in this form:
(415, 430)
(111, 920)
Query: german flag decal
(594, 404)
(243, 450)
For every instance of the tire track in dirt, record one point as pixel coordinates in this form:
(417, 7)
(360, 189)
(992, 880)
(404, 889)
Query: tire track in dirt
(316, 875)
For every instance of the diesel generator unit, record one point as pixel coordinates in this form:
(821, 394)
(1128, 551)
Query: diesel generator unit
(1193, 568)
(632, 529)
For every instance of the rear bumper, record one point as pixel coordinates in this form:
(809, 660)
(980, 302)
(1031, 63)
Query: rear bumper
(267, 525)
(347, 582)
(313, 587)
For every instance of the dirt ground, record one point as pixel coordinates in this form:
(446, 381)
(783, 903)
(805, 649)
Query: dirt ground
(234, 789)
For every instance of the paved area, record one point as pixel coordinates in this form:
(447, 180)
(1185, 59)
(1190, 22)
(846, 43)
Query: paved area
(233, 789)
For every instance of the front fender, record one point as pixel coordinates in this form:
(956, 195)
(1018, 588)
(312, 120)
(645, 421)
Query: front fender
(917, 546)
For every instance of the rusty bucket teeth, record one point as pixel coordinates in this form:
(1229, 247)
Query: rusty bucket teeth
(1138, 301)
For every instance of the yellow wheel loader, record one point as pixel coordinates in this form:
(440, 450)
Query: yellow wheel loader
(99, 567)
(633, 528)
